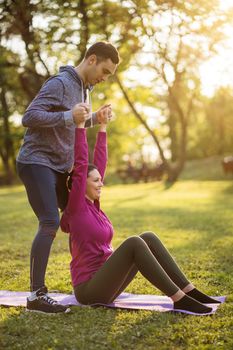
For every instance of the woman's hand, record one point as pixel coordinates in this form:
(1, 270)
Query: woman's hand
(104, 116)
(101, 115)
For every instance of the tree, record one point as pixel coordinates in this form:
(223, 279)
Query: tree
(168, 38)
(11, 99)
(213, 132)
(50, 33)
(178, 37)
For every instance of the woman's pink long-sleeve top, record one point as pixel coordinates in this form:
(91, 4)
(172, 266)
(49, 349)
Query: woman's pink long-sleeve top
(90, 230)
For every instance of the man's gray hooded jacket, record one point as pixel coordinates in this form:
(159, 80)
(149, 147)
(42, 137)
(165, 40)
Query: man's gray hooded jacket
(49, 138)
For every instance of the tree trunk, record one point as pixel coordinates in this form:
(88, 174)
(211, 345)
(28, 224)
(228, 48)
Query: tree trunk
(143, 122)
(7, 153)
(30, 79)
(174, 171)
(172, 124)
(84, 29)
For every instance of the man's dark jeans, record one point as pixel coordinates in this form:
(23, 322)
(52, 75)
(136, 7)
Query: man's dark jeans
(46, 191)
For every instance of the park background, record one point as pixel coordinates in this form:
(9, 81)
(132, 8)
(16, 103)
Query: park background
(172, 102)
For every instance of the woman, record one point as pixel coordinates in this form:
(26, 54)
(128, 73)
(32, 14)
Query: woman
(100, 274)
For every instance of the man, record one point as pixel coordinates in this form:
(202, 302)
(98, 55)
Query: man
(46, 156)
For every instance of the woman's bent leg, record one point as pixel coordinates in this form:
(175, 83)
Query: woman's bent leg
(107, 282)
(172, 269)
(165, 259)
(131, 274)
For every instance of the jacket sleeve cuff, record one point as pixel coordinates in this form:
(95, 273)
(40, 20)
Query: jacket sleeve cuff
(68, 117)
(92, 121)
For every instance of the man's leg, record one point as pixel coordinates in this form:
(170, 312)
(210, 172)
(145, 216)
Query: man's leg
(40, 184)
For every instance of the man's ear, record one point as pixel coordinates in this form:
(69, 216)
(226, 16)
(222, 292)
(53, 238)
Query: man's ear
(92, 59)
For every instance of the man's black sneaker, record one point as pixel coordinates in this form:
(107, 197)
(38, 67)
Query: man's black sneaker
(44, 303)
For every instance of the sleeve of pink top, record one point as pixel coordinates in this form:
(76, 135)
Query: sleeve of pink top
(101, 153)
(77, 194)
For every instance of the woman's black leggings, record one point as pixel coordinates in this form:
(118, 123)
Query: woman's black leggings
(144, 253)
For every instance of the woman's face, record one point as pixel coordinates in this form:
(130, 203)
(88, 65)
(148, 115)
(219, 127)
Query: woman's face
(94, 185)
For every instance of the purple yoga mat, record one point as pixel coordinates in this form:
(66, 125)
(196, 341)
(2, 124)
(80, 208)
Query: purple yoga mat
(124, 301)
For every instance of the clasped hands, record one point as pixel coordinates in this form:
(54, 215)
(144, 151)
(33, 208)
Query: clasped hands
(81, 113)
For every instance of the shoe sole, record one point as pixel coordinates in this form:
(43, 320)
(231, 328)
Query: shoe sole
(49, 313)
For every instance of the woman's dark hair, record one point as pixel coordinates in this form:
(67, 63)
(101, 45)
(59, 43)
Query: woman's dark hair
(68, 186)
(89, 169)
(103, 50)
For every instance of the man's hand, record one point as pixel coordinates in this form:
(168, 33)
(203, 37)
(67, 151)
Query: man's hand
(104, 114)
(80, 113)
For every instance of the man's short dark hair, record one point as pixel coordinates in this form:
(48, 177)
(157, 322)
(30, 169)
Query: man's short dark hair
(103, 50)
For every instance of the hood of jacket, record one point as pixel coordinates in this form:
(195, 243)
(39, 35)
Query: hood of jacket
(70, 73)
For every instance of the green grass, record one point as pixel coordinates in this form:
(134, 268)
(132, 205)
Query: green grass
(195, 221)
(205, 169)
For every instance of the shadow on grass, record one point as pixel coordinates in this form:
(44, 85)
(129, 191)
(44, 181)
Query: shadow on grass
(87, 328)
(103, 328)
(228, 190)
(168, 185)
(205, 243)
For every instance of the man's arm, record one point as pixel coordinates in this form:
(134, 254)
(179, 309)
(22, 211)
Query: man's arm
(46, 108)
(88, 123)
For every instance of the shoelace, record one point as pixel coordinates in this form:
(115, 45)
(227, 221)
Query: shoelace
(48, 299)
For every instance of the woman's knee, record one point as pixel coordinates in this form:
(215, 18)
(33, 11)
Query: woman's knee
(149, 236)
(133, 241)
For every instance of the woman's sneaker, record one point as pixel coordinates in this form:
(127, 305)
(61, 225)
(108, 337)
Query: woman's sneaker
(43, 303)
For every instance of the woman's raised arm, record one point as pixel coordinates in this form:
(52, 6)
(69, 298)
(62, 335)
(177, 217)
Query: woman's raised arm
(101, 149)
(79, 177)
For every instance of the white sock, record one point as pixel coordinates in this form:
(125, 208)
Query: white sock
(33, 295)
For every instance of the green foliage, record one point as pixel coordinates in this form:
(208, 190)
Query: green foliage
(185, 219)
(212, 126)
(167, 40)
(124, 132)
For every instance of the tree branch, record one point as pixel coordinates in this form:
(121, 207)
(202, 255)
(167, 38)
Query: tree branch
(143, 122)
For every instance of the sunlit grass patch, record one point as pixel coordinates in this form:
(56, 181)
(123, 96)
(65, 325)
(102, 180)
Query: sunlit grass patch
(195, 221)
